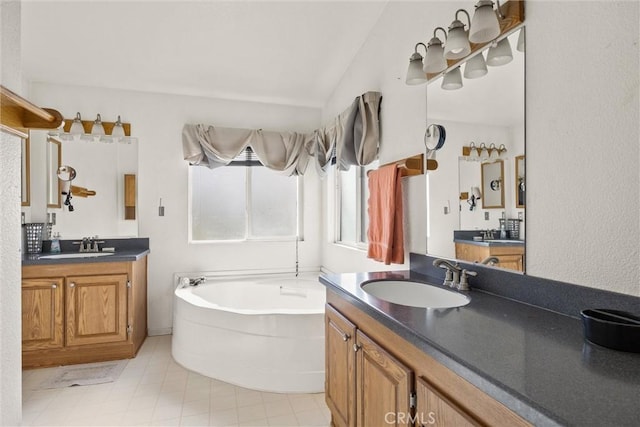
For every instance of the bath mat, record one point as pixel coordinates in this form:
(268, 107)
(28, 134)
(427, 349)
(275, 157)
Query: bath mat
(86, 374)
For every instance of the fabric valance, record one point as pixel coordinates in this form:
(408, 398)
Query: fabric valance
(214, 146)
(353, 138)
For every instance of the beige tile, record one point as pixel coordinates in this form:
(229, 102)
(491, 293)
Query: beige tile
(278, 408)
(283, 421)
(196, 407)
(195, 420)
(223, 401)
(303, 402)
(248, 397)
(138, 415)
(225, 417)
(173, 422)
(252, 412)
(313, 417)
(255, 423)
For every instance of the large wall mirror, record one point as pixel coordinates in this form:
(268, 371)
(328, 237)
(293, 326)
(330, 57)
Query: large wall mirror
(489, 110)
(99, 185)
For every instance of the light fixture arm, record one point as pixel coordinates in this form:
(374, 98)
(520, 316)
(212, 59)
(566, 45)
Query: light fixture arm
(415, 50)
(468, 17)
(498, 11)
(441, 29)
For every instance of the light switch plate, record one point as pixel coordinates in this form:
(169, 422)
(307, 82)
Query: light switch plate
(486, 216)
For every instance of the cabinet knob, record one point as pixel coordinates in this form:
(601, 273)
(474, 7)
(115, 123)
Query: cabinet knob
(72, 285)
(356, 347)
(345, 337)
(54, 286)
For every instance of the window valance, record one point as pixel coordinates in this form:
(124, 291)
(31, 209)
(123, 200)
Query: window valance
(353, 138)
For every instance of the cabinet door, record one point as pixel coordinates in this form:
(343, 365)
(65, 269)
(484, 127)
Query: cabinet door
(383, 385)
(512, 262)
(472, 253)
(96, 309)
(42, 314)
(340, 378)
(435, 409)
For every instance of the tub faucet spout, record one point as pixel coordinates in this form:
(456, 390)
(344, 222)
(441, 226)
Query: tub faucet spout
(197, 281)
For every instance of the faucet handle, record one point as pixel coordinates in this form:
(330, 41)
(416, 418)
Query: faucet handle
(464, 282)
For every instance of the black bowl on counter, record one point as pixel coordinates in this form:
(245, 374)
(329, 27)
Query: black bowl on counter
(615, 329)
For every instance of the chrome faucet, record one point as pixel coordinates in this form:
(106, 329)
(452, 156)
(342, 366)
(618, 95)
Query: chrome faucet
(89, 244)
(456, 276)
(490, 260)
(186, 281)
(452, 276)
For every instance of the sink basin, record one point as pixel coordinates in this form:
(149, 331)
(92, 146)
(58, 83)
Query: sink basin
(76, 255)
(414, 294)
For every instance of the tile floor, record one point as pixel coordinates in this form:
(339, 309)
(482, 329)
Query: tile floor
(153, 390)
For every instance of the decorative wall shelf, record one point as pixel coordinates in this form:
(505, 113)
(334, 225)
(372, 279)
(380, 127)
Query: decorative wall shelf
(17, 115)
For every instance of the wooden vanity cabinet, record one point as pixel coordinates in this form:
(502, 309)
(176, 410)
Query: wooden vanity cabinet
(376, 378)
(510, 256)
(81, 313)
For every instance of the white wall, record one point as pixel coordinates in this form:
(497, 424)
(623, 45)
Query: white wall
(581, 131)
(157, 121)
(10, 241)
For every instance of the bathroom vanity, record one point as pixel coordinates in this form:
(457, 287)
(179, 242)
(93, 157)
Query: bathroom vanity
(495, 361)
(81, 310)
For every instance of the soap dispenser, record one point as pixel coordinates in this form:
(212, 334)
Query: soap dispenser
(55, 243)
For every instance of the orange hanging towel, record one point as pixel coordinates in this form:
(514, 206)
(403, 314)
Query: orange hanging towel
(385, 233)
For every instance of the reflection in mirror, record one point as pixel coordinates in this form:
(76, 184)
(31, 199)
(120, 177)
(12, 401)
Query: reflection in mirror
(492, 178)
(520, 182)
(26, 173)
(100, 167)
(54, 159)
(486, 110)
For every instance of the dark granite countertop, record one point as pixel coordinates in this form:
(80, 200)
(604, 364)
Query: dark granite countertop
(533, 360)
(124, 250)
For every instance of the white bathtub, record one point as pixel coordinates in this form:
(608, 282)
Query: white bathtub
(260, 332)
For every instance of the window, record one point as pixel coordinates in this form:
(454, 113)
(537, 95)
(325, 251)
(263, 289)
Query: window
(352, 193)
(243, 203)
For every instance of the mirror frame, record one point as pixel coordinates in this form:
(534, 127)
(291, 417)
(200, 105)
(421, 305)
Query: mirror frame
(486, 188)
(520, 160)
(53, 182)
(26, 173)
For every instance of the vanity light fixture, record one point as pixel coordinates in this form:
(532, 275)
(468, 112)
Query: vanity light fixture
(520, 44)
(457, 45)
(474, 153)
(502, 151)
(117, 132)
(452, 80)
(494, 154)
(415, 74)
(76, 127)
(499, 53)
(483, 153)
(475, 67)
(97, 129)
(434, 61)
(484, 25)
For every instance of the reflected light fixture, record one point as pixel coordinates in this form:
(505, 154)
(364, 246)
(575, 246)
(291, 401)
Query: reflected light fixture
(434, 61)
(520, 45)
(475, 67)
(483, 152)
(474, 154)
(484, 24)
(502, 151)
(118, 130)
(97, 128)
(457, 45)
(76, 126)
(452, 80)
(415, 74)
(499, 53)
(493, 152)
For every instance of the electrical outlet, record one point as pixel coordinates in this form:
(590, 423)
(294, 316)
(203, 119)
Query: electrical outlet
(486, 216)
(520, 216)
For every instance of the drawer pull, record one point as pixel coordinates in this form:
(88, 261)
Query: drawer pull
(54, 286)
(356, 347)
(345, 337)
(72, 285)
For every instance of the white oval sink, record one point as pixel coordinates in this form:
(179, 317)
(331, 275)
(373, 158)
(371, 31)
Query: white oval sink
(414, 294)
(76, 255)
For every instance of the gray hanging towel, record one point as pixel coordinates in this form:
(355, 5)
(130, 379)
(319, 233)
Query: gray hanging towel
(366, 128)
(345, 151)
